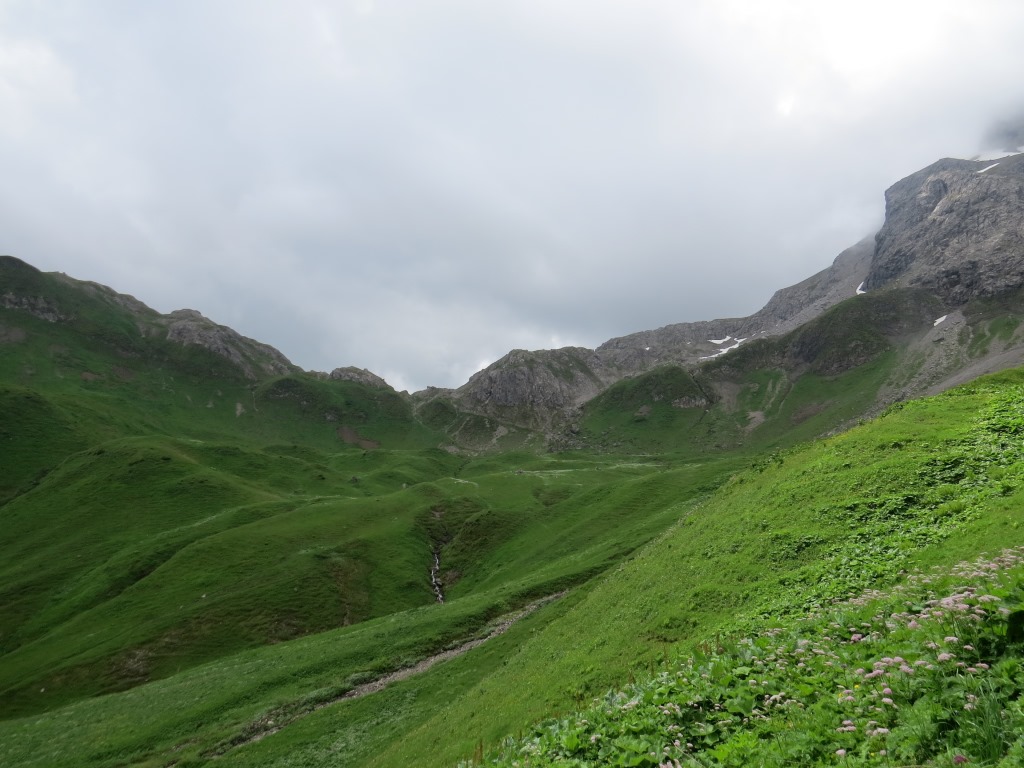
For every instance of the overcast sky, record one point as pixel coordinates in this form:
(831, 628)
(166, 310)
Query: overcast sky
(418, 186)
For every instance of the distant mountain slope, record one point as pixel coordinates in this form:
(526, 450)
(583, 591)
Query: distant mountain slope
(175, 494)
(126, 322)
(954, 230)
(541, 390)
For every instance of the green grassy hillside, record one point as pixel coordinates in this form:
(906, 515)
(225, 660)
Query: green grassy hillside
(931, 482)
(157, 517)
(198, 564)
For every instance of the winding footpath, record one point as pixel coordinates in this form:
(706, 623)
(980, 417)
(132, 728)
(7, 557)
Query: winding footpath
(270, 723)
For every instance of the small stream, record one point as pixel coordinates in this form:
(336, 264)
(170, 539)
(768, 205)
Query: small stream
(435, 580)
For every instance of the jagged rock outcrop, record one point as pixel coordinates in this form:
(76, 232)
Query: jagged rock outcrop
(791, 307)
(253, 358)
(533, 388)
(954, 232)
(955, 228)
(359, 375)
(37, 306)
(530, 388)
(679, 343)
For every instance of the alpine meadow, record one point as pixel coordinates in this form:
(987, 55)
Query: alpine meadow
(789, 539)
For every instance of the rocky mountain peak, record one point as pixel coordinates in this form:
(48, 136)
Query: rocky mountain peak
(360, 376)
(533, 388)
(955, 228)
(255, 359)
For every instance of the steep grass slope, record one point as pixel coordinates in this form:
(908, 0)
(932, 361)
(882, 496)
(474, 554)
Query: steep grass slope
(930, 482)
(230, 555)
(532, 549)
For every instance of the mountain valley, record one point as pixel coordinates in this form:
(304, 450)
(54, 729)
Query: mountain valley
(208, 554)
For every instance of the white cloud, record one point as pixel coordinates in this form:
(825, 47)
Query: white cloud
(34, 85)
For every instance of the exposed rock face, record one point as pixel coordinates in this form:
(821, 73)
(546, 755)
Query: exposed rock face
(523, 384)
(532, 388)
(955, 228)
(954, 231)
(187, 326)
(359, 375)
(791, 307)
(680, 342)
(37, 306)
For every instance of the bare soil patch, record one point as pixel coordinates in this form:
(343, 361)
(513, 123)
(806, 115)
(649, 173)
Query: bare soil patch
(349, 436)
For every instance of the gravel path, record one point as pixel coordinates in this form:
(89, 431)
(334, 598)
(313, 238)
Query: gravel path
(270, 724)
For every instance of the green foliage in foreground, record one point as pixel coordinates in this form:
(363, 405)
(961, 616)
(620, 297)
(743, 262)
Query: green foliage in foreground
(928, 673)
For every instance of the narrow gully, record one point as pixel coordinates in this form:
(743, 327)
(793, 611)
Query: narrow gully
(435, 581)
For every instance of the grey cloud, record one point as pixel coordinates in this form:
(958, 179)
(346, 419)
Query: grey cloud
(1006, 133)
(418, 188)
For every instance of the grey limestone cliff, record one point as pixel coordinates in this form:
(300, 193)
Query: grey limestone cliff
(791, 307)
(955, 228)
